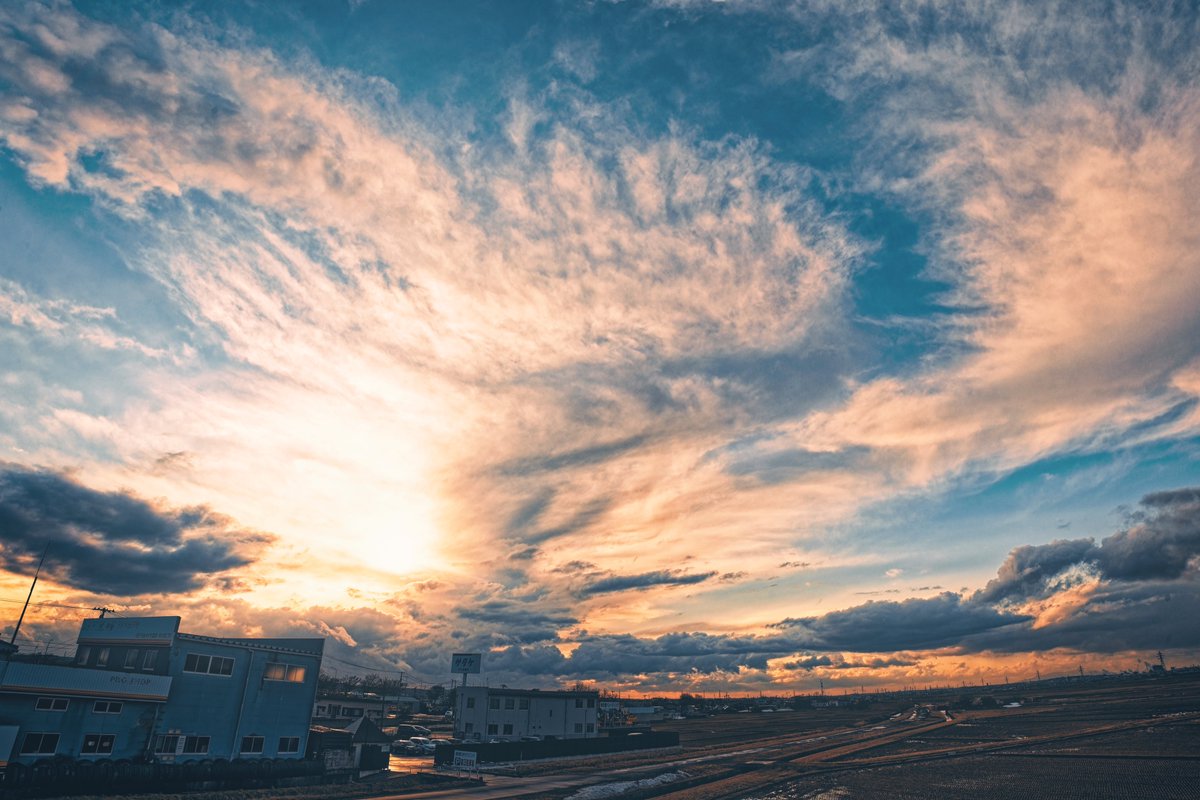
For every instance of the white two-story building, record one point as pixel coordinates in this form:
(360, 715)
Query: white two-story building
(485, 713)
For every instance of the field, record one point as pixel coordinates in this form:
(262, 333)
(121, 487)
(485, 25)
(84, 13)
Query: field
(1118, 738)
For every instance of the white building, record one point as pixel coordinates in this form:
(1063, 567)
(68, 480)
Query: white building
(485, 713)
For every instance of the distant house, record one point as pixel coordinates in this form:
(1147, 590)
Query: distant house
(141, 689)
(643, 714)
(486, 713)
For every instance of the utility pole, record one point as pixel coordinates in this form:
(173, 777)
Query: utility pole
(29, 596)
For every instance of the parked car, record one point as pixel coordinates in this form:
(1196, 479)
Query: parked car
(421, 746)
(406, 730)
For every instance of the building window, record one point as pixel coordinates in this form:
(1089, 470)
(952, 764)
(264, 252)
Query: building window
(284, 672)
(591, 702)
(166, 744)
(509, 703)
(150, 659)
(195, 744)
(102, 657)
(591, 727)
(131, 659)
(98, 744)
(83, 654)
(494, 702)
(508, 730)
(208, 665)
(252, 744)
(289, 744)
(469, 727)
(579, 702)
(39, 744)
(579, 727)
(524, 704)
(470, 702)
(52, 704)
(493, 730)
(106, 707)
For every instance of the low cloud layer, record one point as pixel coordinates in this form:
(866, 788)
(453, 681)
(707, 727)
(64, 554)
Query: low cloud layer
(1162, 542)
(114, 543)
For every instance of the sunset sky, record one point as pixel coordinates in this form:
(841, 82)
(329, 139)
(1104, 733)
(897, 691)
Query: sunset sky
(674, 346)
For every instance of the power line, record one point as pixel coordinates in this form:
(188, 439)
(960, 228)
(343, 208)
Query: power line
(57, 605)
(364, 666)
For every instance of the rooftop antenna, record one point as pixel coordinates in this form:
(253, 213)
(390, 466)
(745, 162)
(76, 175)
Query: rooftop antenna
(1161, 663)
(29, 597)
(103, 611)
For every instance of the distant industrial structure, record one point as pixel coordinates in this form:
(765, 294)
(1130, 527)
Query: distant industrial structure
(138, 688)
(486, 714)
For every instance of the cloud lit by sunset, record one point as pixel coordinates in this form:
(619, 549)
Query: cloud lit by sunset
(668, 345)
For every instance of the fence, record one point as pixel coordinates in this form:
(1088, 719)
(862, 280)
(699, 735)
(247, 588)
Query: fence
(556, 748)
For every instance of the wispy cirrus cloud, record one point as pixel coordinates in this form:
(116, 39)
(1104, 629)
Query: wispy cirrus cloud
(565, 362)
(586, 283)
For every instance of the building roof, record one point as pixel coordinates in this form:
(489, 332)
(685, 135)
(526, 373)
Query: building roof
(307, 647)
(550, 694)
(83, 682)
(367, 732)
(136, 631)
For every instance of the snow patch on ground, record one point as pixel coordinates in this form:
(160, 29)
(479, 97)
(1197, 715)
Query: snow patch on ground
(603, 790)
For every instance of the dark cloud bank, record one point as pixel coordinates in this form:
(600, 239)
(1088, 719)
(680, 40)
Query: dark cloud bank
(113, 542)
(1143, 592)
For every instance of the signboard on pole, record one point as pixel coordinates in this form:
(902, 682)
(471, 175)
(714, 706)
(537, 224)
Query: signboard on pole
(466, 663)
(465, 759)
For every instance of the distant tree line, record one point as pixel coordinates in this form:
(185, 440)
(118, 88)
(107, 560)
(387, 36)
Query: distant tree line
(331, 684)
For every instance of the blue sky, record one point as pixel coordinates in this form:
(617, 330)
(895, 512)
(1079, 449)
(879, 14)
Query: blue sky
(679, 345)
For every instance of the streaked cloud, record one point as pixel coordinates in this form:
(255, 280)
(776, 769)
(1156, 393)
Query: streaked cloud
(584, 366)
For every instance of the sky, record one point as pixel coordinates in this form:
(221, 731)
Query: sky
(660, 346)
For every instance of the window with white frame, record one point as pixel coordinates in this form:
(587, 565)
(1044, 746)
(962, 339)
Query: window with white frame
(39, 744)
(166, 744)
(52, 704)
(207, 665)
(292, 673)
(150, 659)
(97, 744)
(102, 657)
(131, 659)
(107, 707)
(252, 744)
(289, 744)
(195, 744)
